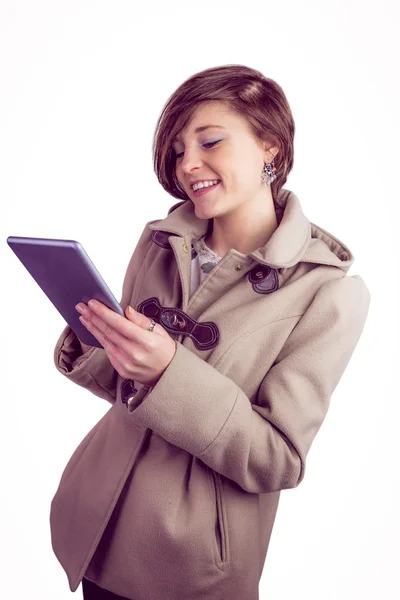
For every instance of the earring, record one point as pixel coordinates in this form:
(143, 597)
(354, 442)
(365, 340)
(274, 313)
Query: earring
(268, 173)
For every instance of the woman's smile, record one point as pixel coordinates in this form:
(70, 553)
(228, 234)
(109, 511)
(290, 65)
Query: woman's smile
(205, 190)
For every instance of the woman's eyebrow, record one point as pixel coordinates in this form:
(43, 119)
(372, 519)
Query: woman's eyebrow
(198, 129)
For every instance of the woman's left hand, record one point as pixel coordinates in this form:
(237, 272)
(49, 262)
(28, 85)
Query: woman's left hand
(134, 352)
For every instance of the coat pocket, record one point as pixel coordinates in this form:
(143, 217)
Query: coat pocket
(221, 531)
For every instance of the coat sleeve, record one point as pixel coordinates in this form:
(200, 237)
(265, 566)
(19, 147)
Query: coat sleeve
(262, 446)
(93, 369)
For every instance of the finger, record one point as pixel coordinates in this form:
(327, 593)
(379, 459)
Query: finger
(115, 354)
(127, 328)
(110, 339)
(141, 320)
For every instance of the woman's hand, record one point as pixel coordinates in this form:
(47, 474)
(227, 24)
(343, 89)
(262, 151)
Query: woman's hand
(133, 351)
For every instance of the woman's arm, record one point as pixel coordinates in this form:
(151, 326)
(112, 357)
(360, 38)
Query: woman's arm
(89, 366)
(262, 446)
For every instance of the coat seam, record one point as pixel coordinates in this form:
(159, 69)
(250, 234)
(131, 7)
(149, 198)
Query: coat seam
(250, 333)
(223, 426)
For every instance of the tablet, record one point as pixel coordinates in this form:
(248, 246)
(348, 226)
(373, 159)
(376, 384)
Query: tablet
(67, 276)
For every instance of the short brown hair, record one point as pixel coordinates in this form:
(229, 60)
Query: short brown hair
(244, 90)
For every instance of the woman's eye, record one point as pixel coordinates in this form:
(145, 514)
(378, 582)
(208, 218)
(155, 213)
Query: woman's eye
(211, 143)
(208, 144)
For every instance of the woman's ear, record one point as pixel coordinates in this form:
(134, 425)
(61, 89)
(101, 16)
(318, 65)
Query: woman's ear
(270, 153)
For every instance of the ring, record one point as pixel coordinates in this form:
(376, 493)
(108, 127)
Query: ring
(152, 325)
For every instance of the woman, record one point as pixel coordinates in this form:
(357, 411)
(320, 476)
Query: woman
(245, 321)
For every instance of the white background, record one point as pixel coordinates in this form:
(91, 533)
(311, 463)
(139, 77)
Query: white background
(82, 85)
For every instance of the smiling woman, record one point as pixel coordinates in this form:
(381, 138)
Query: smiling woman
(246, 319)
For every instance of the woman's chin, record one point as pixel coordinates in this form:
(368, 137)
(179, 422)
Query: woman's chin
(204, 212)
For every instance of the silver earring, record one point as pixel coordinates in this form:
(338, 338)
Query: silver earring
(268, 173)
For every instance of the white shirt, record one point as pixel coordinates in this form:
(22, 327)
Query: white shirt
(202, 264)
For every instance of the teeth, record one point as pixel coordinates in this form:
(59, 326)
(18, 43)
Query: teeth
(201, 184)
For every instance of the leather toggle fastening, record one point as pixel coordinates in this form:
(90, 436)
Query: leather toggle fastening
(204, 335)
(264, 279)
(161, 238)
(128, 390)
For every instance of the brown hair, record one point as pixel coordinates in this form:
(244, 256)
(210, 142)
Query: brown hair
(245, 91)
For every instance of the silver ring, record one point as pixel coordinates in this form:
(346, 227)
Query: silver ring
(152, 325)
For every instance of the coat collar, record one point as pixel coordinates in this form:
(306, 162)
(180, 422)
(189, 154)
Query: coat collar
(295, 239)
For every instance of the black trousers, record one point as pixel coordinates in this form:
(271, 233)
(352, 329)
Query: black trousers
(91, 591)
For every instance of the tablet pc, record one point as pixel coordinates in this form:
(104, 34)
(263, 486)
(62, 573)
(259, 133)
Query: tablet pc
(67, 276)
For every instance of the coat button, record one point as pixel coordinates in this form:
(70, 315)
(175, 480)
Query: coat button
(239, 267)
(185, 248)
(173, 320)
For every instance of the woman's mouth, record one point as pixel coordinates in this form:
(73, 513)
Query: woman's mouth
(205, 190)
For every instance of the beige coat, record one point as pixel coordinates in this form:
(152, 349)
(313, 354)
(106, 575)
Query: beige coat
(173, 496)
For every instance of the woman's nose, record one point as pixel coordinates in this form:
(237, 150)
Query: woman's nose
(190, 160)
(190, 166)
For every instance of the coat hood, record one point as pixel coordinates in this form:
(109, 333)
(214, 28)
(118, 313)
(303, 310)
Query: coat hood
(296, 239)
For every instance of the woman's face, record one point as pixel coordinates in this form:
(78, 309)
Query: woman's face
(226, 151)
